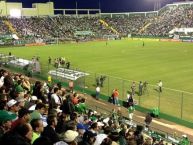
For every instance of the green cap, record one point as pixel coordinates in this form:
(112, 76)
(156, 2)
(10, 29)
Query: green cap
(19, 89)
(6, 116)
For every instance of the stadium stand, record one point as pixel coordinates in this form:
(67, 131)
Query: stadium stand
(159, 24)
(64, 114)
(89, 28)
(64, 27)
(68, 113)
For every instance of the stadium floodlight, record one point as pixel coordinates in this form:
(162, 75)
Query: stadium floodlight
(15, 13)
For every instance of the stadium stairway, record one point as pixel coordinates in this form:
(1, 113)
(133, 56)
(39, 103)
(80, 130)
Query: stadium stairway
(109, 27)
(10, 26)
(144, 28)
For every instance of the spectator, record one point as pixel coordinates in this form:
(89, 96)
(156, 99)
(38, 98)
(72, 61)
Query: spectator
(71, 86)
(42, 141)
(13, 106)
(75, 100)
(81, 106)
(106, 141)
(88, 138)
(49, 130)
(116, 97)
(184, 140)
(148, 120)
(39, 111)
(131, 110)
(21, 135)
(21, 101)
(38, 91)
(97, 92)
(138, 136)
(55, 99)
(37, 126)
(70, 137)
(5, 122)
(23, 117)
(130, 100)
(68, 106)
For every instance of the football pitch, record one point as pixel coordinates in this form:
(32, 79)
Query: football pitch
(171, 62)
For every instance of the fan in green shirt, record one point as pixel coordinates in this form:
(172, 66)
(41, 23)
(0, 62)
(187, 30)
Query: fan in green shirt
(81, 106)
(184, 140)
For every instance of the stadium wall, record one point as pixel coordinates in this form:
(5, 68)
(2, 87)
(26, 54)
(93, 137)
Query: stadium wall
(38, 9)
(29, 12)
(44, 9)
(3, 8)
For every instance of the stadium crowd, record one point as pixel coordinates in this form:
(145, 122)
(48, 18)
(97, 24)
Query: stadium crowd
(40, 113)
(65, 27)
(173, 17)
(56, 27)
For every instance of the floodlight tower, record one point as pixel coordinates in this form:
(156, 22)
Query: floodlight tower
(157, 5)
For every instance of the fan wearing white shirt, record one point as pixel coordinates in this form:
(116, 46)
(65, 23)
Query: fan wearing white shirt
(55, 98)
(97, 92)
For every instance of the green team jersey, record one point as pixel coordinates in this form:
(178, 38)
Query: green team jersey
(131, 109)
(184, 141)
(81, 108)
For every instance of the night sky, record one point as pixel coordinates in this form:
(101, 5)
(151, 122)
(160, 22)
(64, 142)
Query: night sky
(106, 5)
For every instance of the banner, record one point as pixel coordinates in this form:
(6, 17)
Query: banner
(83, 33)
(146, 39)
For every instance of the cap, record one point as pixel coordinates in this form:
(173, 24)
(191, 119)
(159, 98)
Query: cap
(34, 98)
(80, 126)
(11, 102)
(100, 124)
(70, 135)
(184, 135)
(5, 116)
(106, 120)
(19, 89)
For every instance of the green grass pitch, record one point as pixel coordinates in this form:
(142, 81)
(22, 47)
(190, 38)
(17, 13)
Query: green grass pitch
(171, 62)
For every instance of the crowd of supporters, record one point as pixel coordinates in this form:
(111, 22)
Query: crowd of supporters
(174, 17)
(65, 26)
(56, 27)
(39, 113)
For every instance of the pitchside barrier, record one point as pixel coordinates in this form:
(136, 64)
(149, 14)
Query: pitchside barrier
(174, 105)
(172, 102)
